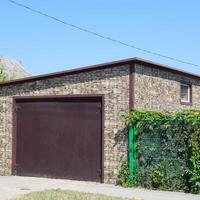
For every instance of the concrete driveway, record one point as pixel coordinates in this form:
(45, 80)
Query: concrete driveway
(11, 186)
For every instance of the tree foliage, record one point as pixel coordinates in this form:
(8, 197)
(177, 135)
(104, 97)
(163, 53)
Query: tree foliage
(3, 76)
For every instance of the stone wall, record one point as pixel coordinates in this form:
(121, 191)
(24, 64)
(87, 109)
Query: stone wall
(159, 90)
(112, 82)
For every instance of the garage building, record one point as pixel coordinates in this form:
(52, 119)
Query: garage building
(68, 124)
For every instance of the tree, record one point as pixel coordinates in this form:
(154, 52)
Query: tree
(3, 76)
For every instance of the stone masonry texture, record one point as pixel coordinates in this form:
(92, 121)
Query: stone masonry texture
(112, 82)
(154, 89)
(159, 90)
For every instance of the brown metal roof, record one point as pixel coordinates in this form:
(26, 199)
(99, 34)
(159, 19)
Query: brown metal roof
(102, 66)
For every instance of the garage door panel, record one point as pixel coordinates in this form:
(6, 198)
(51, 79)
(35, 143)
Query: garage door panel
(59, 139)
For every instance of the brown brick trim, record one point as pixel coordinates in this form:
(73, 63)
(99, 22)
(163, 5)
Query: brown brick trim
(131, 85)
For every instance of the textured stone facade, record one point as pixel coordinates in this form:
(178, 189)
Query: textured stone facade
(159, 90)
(112, 82)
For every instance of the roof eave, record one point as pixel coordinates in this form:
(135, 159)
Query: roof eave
(99, 67)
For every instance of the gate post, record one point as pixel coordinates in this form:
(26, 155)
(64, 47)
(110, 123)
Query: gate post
(132, 154)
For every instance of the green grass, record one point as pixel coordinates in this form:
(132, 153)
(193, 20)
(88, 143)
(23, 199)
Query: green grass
(65, 195)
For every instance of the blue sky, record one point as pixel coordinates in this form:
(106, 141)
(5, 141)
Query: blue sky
(170, 27)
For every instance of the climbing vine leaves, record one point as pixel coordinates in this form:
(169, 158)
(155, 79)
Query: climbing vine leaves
(167, 150)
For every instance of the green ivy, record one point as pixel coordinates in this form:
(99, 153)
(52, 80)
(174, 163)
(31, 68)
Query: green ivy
(124, 175)
(136, 116)
(194, 170)
(167, 150)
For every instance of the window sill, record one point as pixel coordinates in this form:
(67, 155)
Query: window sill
(186, 103)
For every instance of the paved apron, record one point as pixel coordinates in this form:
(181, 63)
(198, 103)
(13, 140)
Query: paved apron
(11, 186)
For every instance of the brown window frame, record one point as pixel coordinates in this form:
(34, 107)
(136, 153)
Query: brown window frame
(189, 103)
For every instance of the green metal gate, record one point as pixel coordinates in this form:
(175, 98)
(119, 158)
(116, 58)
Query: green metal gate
(152, 148)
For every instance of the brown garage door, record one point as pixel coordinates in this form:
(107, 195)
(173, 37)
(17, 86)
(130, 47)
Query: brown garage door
(59, 138)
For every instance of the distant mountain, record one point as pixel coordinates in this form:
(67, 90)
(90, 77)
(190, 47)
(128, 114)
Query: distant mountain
(12, 68)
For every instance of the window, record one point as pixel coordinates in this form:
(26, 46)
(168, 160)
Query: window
(185, 93)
